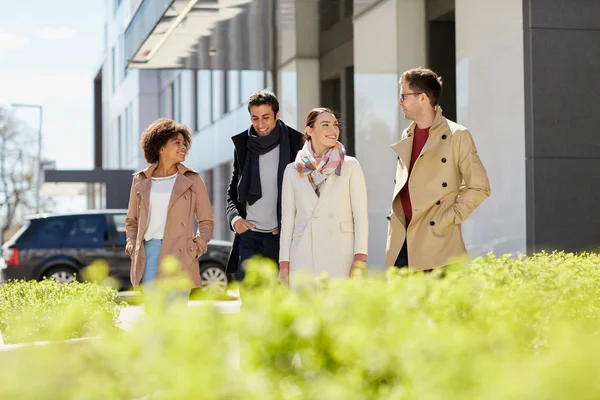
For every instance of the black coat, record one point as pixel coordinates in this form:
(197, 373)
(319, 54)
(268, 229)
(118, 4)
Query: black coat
(234, 208)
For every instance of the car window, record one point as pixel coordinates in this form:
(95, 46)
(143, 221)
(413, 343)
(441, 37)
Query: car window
(45, 233)
(86, 231)
(120, 226)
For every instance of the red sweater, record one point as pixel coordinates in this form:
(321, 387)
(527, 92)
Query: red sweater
(421, 136)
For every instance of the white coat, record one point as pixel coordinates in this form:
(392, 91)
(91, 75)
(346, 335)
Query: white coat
(323, 233)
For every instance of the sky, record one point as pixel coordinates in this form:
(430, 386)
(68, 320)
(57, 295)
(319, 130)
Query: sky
(50, 52)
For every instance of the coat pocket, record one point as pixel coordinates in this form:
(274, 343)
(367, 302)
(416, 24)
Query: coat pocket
(192, 249)
(444, 218)
(347, 227)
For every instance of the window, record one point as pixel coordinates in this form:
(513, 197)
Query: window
(120, 141)
(105, 36)
(123, 60)
(46, 233)
(120, 226)
(127, 134)
(113, 69)
(204, 91)
(173, 102)
(195, 100)
(176, 98)
(86, 231)
(233, 89)
(208, 177)
(251, 82)
(218, 88)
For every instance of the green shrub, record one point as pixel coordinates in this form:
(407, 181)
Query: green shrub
(501, 328)
(47, 310)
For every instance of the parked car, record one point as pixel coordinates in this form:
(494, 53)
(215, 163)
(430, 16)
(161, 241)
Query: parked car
(60, 246)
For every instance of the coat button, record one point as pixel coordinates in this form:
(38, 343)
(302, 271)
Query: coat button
(191, 249)
(389, 218)
(183, 224)
(438, 202)
(432, 223)
(180, 250)
(443, 136)
(185, 197)
(394, 181)
(444, 184)
(443, 160)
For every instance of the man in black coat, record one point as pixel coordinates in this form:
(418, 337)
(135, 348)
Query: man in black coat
(254, 196)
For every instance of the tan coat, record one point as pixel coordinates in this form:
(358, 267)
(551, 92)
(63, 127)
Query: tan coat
(189, 200)
(440, 200)
(323, 233)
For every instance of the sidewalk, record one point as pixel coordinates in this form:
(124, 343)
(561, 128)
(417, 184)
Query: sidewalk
(132, 313)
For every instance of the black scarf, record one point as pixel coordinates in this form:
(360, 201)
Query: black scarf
(249, 187)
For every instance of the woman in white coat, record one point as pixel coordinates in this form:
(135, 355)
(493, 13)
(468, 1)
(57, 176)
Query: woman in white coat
(324, 226)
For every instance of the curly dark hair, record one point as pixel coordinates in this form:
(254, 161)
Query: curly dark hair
(158, 133)
(264, 97)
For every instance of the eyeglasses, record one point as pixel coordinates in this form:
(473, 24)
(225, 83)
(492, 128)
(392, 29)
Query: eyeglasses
(403, 95)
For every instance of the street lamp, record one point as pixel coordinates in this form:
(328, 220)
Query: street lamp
(39, 154)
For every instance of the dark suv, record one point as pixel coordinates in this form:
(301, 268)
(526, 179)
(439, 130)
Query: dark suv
(60, 246)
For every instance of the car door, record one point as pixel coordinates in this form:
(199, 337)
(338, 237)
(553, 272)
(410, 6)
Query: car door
(87, 239)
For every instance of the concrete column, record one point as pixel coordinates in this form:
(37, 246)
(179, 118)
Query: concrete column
(389, 37)
(490, 102)
(298, 76)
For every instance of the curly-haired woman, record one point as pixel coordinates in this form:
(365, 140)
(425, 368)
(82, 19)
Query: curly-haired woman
(165, 198)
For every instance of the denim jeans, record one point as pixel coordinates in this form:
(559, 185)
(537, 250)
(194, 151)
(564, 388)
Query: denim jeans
(257, 243)
(152, 250)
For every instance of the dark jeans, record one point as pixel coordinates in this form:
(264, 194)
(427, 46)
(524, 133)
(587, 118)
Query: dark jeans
(402, 260)
(257, 243)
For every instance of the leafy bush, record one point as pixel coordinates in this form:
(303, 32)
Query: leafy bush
(47, 310)
(500, 328)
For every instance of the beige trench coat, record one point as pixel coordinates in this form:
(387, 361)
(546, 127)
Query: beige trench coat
(447, 183)
(189, 200)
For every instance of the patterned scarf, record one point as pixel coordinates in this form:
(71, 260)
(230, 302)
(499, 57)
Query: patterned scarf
(317, 169)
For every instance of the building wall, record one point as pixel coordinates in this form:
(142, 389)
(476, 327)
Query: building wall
(499, 48)
(562, 69)
(490, 102)
(129, 96)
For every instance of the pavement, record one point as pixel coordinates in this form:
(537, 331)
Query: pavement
(133, 313)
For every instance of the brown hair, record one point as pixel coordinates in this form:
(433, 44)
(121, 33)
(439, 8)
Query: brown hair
(424, 80)
(158, 133)
(264, 97)
(312, 117)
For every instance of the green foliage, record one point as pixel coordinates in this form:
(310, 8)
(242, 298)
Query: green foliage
(47, 310)
(500, 328)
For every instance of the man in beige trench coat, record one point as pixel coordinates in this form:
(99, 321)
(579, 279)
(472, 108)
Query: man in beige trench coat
(439, 181)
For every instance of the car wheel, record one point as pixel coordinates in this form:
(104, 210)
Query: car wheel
(213, 278)
(61, 274)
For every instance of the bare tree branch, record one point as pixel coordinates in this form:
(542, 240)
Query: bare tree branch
(16, 171)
